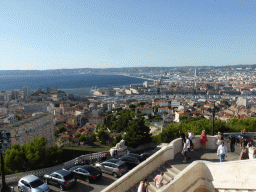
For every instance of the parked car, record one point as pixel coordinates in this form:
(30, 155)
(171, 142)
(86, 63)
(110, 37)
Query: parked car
(239, 137)
(137, 156)
(86, 172)
(148, 154)
(62, 179)
(114, 167)
(130, 161)
(247, 138)
(32, 183)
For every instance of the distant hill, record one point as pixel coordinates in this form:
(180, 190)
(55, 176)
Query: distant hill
(110, 70)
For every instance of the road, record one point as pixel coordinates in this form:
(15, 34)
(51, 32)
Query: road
(82, 186)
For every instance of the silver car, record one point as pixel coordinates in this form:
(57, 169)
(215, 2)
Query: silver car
(114, 167)
(32, 183)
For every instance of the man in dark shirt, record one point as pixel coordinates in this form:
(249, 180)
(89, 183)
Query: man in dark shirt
(182, 135)
(232, 143)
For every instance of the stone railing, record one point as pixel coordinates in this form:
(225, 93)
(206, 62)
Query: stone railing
(153, 162)
(40, 172)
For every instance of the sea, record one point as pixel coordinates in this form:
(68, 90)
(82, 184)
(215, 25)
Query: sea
(79, 84)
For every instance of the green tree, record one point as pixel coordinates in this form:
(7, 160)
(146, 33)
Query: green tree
(61, 129)
(18, 117)
(137, 133)
(132, 106)
(225, 102)
(31, 156)
(14, 159)
(103, 136)
(116, 140)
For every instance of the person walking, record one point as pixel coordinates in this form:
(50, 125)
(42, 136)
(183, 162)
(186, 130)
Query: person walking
(143, 187)
(244, 154)
(203, 139)
(185, 152)
(191, 137)
(218, 137)
(232, 143)
(188, 147)
(242, 142)
(254, 152)
(182, 135)
(159, 180)
(222, 151)
(251, 148)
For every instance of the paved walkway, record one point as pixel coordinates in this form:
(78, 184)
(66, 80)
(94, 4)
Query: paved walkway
(208, 155)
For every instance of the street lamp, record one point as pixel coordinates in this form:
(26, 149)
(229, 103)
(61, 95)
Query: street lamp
(4, 186)
(213, 110)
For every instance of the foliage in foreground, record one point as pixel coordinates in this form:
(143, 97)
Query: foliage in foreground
(31, 156)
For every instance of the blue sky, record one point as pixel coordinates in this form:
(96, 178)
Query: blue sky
(54, 34)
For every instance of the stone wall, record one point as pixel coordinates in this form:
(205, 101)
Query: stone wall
(153, 162)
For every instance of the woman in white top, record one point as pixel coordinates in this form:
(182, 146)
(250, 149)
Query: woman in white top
(254, 153)
(218, 137)
(251, 149)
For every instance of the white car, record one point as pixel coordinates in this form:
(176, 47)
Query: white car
(32, 183)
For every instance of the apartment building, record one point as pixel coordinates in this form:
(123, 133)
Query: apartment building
(24, 131)
(35, 107)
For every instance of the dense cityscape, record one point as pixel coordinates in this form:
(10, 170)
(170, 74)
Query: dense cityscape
(127, 96)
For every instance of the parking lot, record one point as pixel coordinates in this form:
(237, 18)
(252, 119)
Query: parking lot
(82, 186)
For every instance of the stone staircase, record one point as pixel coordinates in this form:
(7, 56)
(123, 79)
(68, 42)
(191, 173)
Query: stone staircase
(170, 172)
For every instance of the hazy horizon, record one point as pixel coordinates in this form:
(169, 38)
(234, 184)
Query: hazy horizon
(48, 35)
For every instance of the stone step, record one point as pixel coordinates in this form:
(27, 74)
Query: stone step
(176, 170)
(169, 173)
(152, 187)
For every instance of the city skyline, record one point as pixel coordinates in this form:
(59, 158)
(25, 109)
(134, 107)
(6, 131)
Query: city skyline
(42, 35)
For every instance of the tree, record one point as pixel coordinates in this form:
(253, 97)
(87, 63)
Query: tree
(165, 112)
(14, 159)
(31, 156)
(103, 136)
(225, 102)
(137, 133)
(18, 117)
(132, 106)
(116, 140)
(61, 129)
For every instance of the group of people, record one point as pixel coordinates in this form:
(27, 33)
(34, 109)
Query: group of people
(248, 149)
(188, 143)
(143, 187)
(248, 152)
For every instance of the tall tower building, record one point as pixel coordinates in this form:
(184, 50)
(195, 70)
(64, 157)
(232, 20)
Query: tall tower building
(196, 73)
(15, 94)
(26, 92)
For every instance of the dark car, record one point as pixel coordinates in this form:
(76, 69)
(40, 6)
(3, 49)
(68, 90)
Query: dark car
(139, 157)
(239, 137)
(62, 179)
(86, 172)
(148, 154)
(115, 167)
(131, 162)
(247, 138)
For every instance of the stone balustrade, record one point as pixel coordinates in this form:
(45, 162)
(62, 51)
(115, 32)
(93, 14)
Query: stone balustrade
(155, 161)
